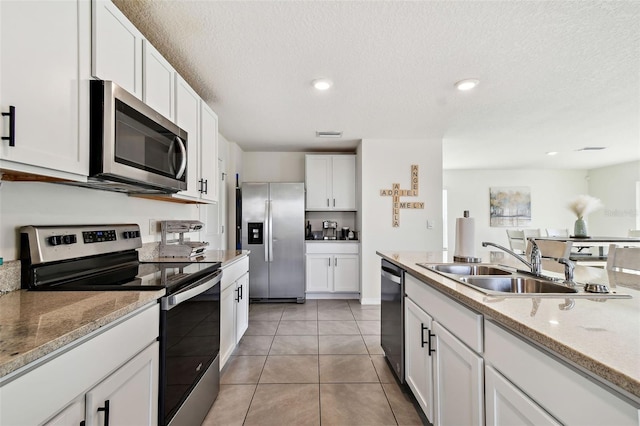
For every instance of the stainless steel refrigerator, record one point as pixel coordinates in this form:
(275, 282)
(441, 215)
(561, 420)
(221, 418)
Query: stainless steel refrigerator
(273, 229)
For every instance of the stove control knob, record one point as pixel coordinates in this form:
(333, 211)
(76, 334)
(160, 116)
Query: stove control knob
(55, 240)
(69, 239)
(131, 234)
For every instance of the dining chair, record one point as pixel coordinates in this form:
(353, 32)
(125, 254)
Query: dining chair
(623, 258)
(557, 232)
(516, 240)
(634, 233)
(531, 233)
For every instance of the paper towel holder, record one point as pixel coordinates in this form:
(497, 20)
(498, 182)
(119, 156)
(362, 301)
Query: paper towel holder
(466, 259)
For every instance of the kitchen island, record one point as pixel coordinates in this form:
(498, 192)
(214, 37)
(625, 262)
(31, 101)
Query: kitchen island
(598, 338)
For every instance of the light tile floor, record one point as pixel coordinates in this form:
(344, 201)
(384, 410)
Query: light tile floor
(319, 363)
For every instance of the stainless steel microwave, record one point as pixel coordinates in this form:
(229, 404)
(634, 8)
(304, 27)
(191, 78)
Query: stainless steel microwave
(133, 148)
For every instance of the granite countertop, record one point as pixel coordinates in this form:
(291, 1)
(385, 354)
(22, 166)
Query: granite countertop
(601, 336)
(36, 323)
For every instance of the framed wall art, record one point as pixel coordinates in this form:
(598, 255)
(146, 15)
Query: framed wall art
(510, 206)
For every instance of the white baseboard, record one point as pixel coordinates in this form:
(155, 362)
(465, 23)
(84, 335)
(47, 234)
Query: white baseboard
(370, 301)
(321, 295)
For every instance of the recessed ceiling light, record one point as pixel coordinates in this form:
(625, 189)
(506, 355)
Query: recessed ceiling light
(328, 134)
(552, 153)
(322, 83)
(466, 84)
(592, 148)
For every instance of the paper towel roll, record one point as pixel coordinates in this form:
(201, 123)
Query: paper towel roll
(465, 237)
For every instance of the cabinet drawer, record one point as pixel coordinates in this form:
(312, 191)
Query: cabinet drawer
(332, 248)
(555, 386)
(464, 323)
(233, 271)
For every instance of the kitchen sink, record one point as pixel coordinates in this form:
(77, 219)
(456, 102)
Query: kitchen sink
(470, 269)
(516, 285)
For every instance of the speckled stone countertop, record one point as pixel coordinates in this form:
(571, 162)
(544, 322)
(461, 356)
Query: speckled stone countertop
(602, 336)
(33, 324)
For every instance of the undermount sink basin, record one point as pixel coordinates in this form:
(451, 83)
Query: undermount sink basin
(470, 269)
(516, 285)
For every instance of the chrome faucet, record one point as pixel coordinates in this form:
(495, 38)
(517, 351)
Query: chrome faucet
(569, 266)
(536, 257)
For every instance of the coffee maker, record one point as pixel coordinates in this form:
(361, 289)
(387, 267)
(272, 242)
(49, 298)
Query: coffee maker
(329, 230)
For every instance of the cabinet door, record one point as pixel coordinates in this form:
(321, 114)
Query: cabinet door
(227, 323)
(318, 182)
(209, 153)
(318, 275)
(188, 118)
(130, 394)
(458, 381)
(117, 48)
(507, 405)
(158, 82)
(346, 272)
(73, 414)
(242, 308)
(344, 182)
(44, 74)
(418, 364)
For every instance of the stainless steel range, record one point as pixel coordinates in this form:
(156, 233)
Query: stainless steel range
(104, 257)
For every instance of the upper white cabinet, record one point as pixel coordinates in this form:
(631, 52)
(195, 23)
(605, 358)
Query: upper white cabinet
(44, 73)
(330, 182)
(158, 81)
(117, 48)
(188, 119)
(209, 175)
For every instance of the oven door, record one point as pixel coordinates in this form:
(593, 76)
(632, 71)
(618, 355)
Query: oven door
(189, 351)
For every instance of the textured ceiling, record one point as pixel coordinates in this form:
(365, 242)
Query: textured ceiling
(554, 75)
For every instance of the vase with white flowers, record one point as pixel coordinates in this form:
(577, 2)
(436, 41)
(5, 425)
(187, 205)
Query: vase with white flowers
(582, 205)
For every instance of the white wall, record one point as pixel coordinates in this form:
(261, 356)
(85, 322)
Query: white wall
(36, 203)
(273, 166)
(615, 186)
(551, 190)
(383, 162)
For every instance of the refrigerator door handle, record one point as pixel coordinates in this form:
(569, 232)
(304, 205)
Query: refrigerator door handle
(267, 235)
(270, 232)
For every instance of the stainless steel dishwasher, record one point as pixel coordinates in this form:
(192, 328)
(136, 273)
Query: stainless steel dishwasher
(392, 316)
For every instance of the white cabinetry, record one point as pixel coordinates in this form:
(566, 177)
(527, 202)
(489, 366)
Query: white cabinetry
(441, 368)
(545, 385)
(117, 48)
(332, 267)
(330, 182)
(188, 119)
(158, 81)
(118, 363)
(208, 154)
(234, 306)
(507, 405)
(44, 76)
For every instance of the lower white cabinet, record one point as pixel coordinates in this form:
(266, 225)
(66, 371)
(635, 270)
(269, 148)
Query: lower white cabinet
(544, 384)
(444, 374)
(508, 405)
(117, 364)
(332, 267)
(234, 306)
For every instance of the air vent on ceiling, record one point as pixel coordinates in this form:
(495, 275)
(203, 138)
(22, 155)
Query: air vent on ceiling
(328, 134)
(592, 148)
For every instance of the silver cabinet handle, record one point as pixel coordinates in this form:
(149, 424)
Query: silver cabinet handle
(335, 262)
(390, 277)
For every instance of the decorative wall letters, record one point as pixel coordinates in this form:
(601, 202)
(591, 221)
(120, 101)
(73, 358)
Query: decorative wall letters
(395, 193)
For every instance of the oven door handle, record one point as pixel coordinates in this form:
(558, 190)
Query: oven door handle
(197, 288)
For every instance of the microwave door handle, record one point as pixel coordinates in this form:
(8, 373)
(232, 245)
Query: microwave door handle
(183, 163)
(171, 156)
